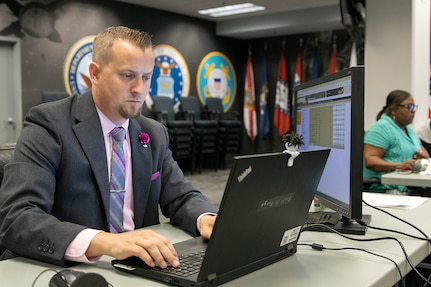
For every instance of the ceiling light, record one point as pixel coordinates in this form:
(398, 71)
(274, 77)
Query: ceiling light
(231, 10)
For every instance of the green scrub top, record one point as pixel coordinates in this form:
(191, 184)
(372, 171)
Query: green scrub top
(386, 134)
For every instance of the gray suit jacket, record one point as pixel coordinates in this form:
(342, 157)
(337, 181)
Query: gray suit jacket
(58, 183)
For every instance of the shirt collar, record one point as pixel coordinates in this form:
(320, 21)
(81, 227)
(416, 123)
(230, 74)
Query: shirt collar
(108, 125)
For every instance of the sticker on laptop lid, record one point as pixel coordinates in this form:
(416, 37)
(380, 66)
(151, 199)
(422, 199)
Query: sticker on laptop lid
(290, 236)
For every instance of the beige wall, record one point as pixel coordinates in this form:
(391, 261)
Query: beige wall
(397, 54)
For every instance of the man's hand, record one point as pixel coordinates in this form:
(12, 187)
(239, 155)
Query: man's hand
(151, 247)
(206, 224)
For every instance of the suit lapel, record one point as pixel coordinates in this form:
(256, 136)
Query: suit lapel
(92, 143)
(141, 172)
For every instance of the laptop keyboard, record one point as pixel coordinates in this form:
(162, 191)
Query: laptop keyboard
(190, 264)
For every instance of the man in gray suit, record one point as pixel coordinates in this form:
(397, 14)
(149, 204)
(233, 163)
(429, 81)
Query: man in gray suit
(54, 199)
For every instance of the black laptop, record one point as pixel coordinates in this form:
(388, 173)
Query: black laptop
(261, 214)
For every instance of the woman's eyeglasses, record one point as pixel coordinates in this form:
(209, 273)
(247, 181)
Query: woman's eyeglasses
(410, 107)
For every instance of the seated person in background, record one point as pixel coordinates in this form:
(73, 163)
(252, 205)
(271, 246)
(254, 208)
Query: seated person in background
(424, 133)
(55, 196)
(390, 143)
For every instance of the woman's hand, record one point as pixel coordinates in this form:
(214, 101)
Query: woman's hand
(406, 165)
(420, 154)
(373, 158)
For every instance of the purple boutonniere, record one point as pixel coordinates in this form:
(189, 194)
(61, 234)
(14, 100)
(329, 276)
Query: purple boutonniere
(144, 138)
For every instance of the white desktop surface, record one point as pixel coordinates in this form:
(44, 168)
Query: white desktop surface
(306, 268)
(409, 179)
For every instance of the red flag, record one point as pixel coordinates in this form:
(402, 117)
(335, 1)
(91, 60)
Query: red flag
(282, 111)
(299, 77)
(333, 60)
(250, 120)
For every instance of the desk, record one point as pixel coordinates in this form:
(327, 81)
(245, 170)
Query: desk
(411, 179)
(306, 268)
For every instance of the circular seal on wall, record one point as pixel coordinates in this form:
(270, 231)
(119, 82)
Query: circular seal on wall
(216, 78)
(75, 69)
(171, 76)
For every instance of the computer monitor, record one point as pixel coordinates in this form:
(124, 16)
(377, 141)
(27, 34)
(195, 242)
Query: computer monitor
(330, 114)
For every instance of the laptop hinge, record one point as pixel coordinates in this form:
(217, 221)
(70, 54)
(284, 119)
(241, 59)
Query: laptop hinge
(212, 276)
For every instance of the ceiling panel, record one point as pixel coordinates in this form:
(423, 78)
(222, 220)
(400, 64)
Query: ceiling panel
(281, 17)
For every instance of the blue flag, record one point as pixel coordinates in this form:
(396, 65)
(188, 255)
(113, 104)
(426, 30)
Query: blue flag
(315, 64)
(264, 116)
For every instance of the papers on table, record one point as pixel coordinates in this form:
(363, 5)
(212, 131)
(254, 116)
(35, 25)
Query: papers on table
(428, 169)
(394, 201)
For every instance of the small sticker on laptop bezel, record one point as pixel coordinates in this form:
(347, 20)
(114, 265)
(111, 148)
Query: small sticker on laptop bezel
(290, 236)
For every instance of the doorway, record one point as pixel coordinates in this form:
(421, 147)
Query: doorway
(10, 89)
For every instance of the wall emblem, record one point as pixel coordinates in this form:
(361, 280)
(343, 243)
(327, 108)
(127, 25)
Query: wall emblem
(171, 77)
(216, 78)
(75, 71)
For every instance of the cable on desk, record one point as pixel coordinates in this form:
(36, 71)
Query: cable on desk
(426, 283)
(394, 231)
(41, 273)
(399, 232)
(320, 247)
(374, 239)
(398, 218)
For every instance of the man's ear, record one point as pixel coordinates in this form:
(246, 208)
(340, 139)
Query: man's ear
(94, 71)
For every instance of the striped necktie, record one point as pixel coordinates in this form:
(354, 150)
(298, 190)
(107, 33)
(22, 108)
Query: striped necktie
(118, 178)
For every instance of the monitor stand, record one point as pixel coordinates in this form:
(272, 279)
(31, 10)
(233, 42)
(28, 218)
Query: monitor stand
(333, 220)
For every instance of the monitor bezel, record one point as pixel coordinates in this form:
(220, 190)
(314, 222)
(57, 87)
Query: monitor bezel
(353, 210)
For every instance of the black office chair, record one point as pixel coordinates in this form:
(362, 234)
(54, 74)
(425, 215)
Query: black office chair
(6, 155)
(51, 96)
(145, 111)
(180, 129)
(230, 128)
(205, 130)
(368, 181)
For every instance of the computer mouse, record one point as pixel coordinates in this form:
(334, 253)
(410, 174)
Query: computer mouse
(73, 278)
(65, 278)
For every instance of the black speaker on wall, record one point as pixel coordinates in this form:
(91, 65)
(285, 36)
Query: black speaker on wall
(353, 14)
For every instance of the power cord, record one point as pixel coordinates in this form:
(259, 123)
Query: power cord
(370, 240)
(426, 283)
(41, 273)
(399, 232)
(320, 247)
(394, 231)
(425, 236)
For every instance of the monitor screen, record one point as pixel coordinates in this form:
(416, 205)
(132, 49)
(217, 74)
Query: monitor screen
(330, 114)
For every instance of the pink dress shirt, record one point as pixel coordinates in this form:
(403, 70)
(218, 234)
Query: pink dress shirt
(77, 248)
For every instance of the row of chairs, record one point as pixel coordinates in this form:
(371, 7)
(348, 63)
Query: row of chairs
(197, 132)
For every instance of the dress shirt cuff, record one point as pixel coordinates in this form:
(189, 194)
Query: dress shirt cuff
(77, 248)
(198, 221)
